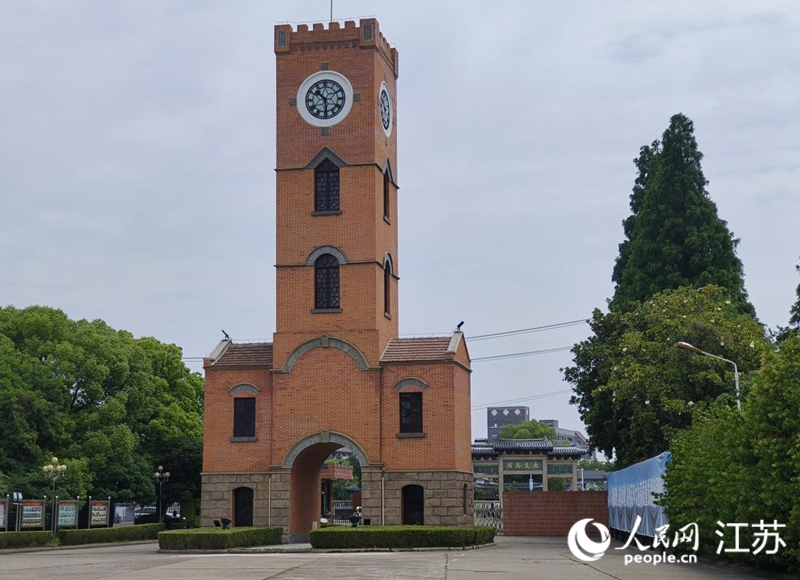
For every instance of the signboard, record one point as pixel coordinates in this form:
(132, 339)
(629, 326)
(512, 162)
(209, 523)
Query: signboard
(67, 514)
(98, 513)
(33, 513)
(124, 515)
(4, 514)
(522, 465)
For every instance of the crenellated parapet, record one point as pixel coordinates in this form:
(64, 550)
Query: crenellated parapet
(335, 37)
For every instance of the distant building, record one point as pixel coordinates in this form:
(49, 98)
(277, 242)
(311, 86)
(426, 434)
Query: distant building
(576, 438)
(499, 417)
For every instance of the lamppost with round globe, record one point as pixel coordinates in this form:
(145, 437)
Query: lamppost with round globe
(162, 477)
(54, 470)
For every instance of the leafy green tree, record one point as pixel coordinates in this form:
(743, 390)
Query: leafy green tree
(634, 388)
(528, 430)
(744, 467)
(110, 406)
(674, 237)
(596, 464)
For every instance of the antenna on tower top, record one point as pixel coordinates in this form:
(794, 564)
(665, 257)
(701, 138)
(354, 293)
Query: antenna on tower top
(331, 20)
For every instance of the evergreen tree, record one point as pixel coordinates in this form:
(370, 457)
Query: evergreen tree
(794, 320)
(674, 236)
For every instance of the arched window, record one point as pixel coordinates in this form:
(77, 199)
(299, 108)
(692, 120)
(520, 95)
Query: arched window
(386, 184)
(326, 282)
(411, 412)
(464, 499)
(326, 187)
(387, 286)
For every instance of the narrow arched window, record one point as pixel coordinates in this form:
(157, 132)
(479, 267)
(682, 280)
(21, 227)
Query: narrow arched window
(387, 287)
(386, 183)
(326, 187)
(326, 282)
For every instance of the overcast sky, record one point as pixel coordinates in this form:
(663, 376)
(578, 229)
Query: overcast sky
(137, 148)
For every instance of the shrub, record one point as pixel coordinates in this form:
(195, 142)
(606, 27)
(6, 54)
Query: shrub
(25, 539)
(219, 539)
(107, 535)
(401, 537)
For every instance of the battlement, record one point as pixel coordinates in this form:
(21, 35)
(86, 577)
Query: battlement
(334, 37)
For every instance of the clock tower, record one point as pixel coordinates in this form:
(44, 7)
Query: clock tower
(337, 378)
(336, 190)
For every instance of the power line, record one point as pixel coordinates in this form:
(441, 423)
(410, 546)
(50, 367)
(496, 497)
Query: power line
(520, 354)
(528, 330)
(520, 400)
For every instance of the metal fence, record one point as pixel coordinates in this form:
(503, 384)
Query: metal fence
(489, 513)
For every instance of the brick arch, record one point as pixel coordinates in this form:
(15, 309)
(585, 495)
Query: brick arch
(325, 437)
(244, 388)
(335, 252)
(322, 156)
(411, 382)
(325, 342)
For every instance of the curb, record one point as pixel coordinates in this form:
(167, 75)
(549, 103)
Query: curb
(281, 550)
(76, 547)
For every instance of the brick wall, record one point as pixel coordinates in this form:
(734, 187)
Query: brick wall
(551, 513)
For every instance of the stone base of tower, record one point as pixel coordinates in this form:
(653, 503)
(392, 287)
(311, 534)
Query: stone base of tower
(447, 496)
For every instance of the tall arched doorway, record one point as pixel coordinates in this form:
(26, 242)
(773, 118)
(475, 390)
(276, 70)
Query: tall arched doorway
(243, 507)
(413, 505)
(305, 492)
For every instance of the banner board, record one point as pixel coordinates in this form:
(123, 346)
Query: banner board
(4, 513)
(98, 513)
(67, 514)
(33, 513)
(630, 494)
(124, 515)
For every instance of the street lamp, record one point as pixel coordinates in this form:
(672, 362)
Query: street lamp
(691, 347)
(162, 477)
(54, 470)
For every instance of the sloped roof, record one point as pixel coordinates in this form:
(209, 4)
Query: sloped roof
(252, 354)
(431, 348)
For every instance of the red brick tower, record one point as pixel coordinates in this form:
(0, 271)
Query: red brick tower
(336, 374)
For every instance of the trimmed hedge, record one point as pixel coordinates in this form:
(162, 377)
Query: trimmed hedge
(219, 539)
(108, 535)
(401, 537)
(25, 539)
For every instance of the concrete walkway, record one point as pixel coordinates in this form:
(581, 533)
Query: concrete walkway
(510, 559)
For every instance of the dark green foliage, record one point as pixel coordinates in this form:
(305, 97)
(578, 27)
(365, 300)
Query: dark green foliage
(744, 467)
(218, 539)
(634, 388)
(24, 539)
(794, 317)
(109, 535)
(674, 237)
(528, 430)
(401, 537)
(110, 406)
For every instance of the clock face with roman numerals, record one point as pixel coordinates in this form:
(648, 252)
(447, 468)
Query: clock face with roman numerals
(385, 107)
(325, 98)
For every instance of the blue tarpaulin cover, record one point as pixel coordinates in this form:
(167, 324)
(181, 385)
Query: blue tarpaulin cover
(630, 494)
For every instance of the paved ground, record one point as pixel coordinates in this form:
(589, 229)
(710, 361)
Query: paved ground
(512, 559)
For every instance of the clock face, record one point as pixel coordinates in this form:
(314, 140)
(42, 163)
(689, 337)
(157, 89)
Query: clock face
(385, 106)
(324, 98)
